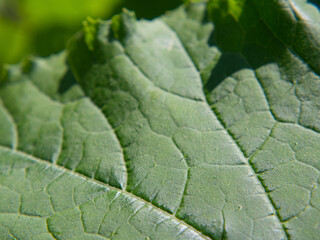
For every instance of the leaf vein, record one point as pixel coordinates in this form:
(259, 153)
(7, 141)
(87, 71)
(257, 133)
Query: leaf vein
(38, 160)
(232, 136)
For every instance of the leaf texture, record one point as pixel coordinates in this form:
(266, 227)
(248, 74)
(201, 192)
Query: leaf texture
(164, 136)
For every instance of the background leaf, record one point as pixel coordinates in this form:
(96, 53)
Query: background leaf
(44, 27)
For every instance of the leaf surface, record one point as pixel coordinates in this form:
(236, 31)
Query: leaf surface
(162, 136)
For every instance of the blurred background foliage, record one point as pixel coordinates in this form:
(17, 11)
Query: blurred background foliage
(43, 27)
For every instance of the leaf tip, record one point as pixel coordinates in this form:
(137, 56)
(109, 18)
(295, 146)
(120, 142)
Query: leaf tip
(90, 30)
(122, 24)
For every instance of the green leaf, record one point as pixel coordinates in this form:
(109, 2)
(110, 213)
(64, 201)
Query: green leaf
(44, 27)
(162, 135)
(269, 100)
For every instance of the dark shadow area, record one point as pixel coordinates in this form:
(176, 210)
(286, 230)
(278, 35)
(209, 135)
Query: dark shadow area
(228, 64)
(66, 82)
(258, 47)
(212, 37)
(52, 39)
(151, 9)
(315, 3)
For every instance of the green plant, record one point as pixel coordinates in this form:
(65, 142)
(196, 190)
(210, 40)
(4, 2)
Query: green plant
(175, 128)
(43, 27)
